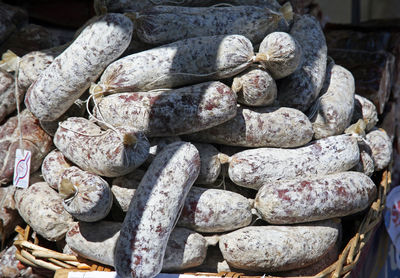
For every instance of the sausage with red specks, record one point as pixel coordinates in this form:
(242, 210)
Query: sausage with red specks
(96, 241)
(108, 153)
(381, 147)
(53, 166)
(255, 87)
(283, 54)
(180, 63)
(169, 113)
(278, 248)
(154, 209)
(302, 87)
(72, 72)
(316, 198)
(87, 197)
(7, 95)
(41, 208)
(255, 167)
(166, 24)
(260, 127)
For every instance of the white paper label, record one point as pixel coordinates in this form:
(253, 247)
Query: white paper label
(22, 168)
(392, 220)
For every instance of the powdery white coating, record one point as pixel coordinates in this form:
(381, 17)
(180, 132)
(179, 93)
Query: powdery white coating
(215, 210)
(210, 164)
(42, 209)
(154, 210)
(336, 105)
(315, 198)
(366, 110)
(184, 62)
(283, 54)
(104, 153)
(72, 72)
(381, 147)
(169, 113)
(278, 248)
(166, 24)
(34, 139)
(255, 167)
(53, 166)
(302, 87)
(96, 241)
(260, 127)
(255, 87)
(34, 63)
(7, 95)
(92, 199)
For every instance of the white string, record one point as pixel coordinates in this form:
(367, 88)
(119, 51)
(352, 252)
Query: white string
(17, 102)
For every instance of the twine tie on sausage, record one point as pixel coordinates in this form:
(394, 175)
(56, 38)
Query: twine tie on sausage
(224, 159)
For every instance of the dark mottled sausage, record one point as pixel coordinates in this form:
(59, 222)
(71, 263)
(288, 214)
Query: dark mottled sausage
(278, 248)
(283, 54)
(364, 109)
(302, 87)
(34, 139)
(381, 147)
(215, 210)
(87, 197)
(42, 209)
(255, 87)
(260, 127)
(253, 168)
(210, 163)
(108, 153)
(166, 24)
(154, 209)
(184, 62)
(336, 105)
(315, 198)
(72, 72)
(96, 241)
(169, 113)
(7, 95)
(53, 166)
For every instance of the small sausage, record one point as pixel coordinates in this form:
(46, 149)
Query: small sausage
(253, 168)
(72, 72)
(260, 127)
(215, 210)
(336, 105)
(53, 166)
(283, 54)
(96, 241)
(315, 198)
(278, 248)
(154, 209)
(302, 87)
(364, 109)
(366, 163)
(34, 139)
(108, 153)
(184, 62)
(381, 147)
(87, 197)
(180, 111)
(42, 209)
(255, 87)
(210, 163)
(165, 24)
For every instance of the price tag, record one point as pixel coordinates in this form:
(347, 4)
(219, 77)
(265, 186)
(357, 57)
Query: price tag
(392, 220)
(22, 168)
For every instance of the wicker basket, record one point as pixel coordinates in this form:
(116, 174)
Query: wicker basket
(30, 253)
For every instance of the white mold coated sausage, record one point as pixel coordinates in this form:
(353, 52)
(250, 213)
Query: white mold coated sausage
(154, 209)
